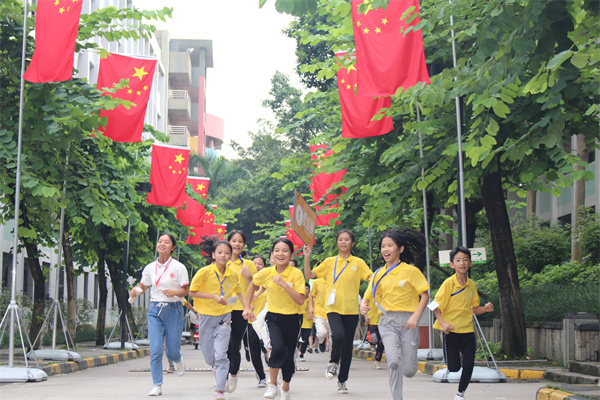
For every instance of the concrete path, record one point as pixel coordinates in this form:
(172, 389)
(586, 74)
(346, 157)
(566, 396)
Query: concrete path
(129, 380)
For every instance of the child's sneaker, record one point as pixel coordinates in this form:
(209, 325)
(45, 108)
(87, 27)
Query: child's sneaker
(459, 396)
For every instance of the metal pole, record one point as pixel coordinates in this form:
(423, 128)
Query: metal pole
(370, 250)
(13, 302)
(461, 175)
(426, 229)
(123, 300)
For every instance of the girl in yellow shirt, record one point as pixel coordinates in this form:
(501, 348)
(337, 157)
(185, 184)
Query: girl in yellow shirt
(343, 274)
(285, 293)
(214, 289)
(244, 269)
(399, 290)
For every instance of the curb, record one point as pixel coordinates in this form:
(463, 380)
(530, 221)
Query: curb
(430, 367)
(80, 365)
(555, 394)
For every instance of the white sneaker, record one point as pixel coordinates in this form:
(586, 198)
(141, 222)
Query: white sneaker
(180, 367)
(342, 388)
(171, 368)
(271, 392)
(459, 396)
(262, 383)
(301, 358)
(231, 384)
(156, 391)
(377, 365)
(285, 395)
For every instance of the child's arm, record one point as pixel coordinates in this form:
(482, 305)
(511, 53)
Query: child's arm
(308, 273)
(190, 307)
(211, 296)
(489, 307)
(248, 314)
(296, 296)
(311, 309)
(446, 327)
(413, 321)
(364, 306)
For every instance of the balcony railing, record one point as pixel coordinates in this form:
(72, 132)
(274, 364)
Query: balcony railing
(179, 94)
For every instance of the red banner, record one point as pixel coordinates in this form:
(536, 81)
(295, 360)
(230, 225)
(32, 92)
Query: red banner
(387, 57)
(168, 173)
(194, 212)
(126, 124)
(56, 27)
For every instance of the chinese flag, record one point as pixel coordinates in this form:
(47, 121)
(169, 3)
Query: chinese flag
(126, 124)
(387, 58)
(322, 183)
(56, 27)
(358, 110)
(168, 173)
(206, 229)
(219, 230)
(194, 212)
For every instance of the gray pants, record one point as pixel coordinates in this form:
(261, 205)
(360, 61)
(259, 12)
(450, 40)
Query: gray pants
(214, 334)
(400, 349)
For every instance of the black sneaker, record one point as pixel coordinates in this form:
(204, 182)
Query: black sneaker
(323, 347)
(309, 350)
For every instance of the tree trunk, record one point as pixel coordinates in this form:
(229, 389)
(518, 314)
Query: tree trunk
(531, 203)
(115, 277)
(102, 296)
(70, 282)
(579, 201)
(514, 340)
(472, 207)
(39, 291)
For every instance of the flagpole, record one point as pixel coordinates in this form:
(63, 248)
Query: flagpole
(461, 175)
(13, 304)
(426, 231)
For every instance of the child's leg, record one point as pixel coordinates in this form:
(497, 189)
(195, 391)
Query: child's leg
(467, 348)
(390, 328)
(410, 345)
(221, 343)
(452, 351)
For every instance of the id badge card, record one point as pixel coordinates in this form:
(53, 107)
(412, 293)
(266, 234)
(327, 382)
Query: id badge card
(331, 299)
(383, 312)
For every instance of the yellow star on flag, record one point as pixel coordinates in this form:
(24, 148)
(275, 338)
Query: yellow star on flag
(61, 10)
(220, 230)
(138, 92)
(377, 30)
(129, 91)
(56, 2)
(145, 87)
(139, 72)
(384, 21)
(200, 187)
(366, 31)
(358, 23)
(343, 81)
(179, 158)
(348, 86)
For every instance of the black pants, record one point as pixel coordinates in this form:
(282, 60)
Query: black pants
(343, 328)
(238, 329)
(304, 335)
(456, 344)
(255, 349)
(283, 332)
(376, 341)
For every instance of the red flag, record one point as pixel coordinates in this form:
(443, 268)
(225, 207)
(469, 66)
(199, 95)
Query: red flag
(357, 110)
(387, 58)
(56, 27)
(205, 230)
(219, 230)
(126, 125)
(194, 212)
(168, 174)
(321, 184)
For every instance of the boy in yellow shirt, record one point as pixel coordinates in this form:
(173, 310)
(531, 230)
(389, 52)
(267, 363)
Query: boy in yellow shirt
(455, 303)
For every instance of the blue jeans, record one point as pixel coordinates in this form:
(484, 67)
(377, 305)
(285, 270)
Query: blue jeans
(165, 321)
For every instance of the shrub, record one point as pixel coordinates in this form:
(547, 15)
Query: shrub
(588, 234)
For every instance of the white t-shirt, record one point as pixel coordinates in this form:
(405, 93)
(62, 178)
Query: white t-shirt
(170, 275)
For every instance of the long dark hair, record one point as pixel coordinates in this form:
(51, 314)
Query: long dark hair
(413, 242)
(283, 240)
(209, 245)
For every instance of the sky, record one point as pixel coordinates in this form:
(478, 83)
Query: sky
(248, 48)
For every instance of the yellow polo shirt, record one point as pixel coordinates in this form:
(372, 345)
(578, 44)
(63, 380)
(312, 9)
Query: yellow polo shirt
(236, 268)
(304, 310)
(456, 303)
(374, 314)
(399, 290)
(318, 292)
(346, 282)
(279, 301)
(207, 280)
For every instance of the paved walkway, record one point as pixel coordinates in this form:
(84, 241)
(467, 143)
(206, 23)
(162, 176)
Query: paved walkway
(131, 380)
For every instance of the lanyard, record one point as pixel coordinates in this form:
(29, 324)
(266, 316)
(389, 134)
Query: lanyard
(156, 271)
(220, 282)
(335, 278)
(382, 276)
(454, 294)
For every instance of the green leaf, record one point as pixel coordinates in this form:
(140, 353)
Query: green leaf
(558, 59)
(580, 60)
(500, 109)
